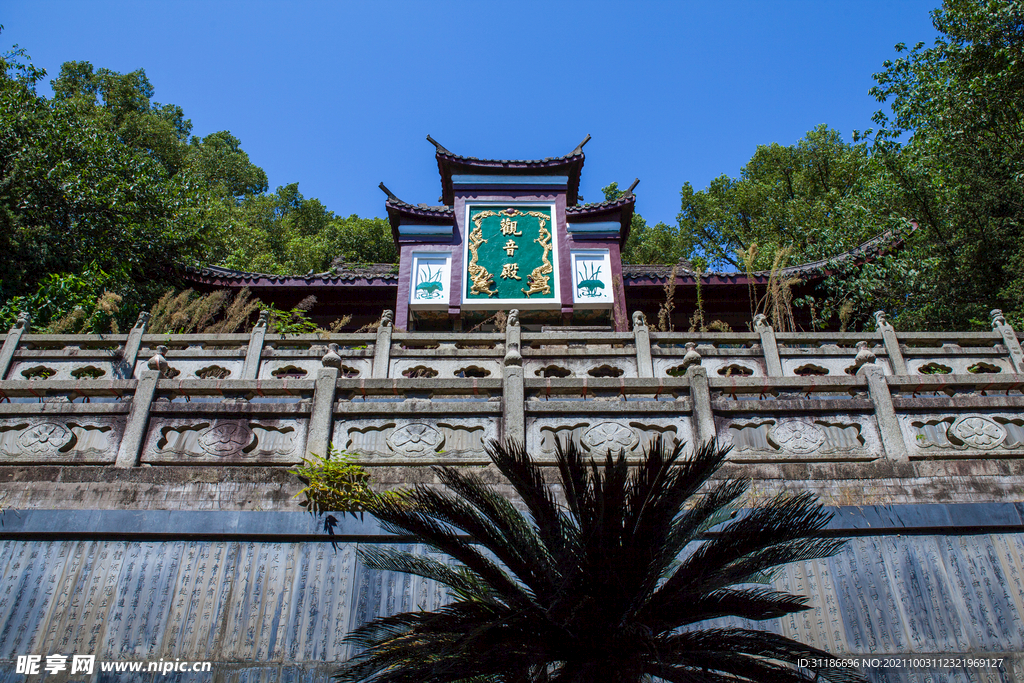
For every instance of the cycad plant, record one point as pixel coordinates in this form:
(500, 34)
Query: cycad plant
(604, 578)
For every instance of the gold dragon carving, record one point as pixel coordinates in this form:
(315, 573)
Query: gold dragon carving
(482, 280)
(539, 280)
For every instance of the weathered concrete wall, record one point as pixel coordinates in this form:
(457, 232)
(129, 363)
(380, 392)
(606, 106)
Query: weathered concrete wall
(265, 598)
(148, 510)
(879, 400)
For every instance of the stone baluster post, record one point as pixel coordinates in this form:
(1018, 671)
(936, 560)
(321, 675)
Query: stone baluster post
(885, 414)
(254, 352)
(382, 349)
(644, 364)
(321, 417)
(772, 362)
(700, 393)
(892, 345)
(130, 353)
(22, 326)
(138, 416)
(1000, 325)
(513, 391)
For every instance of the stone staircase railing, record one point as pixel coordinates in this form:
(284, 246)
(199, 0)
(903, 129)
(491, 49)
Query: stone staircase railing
(423, 398)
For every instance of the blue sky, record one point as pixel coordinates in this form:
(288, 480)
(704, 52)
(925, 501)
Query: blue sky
(339, 96)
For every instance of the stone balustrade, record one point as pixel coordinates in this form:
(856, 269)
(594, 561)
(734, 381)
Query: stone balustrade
(401, 398)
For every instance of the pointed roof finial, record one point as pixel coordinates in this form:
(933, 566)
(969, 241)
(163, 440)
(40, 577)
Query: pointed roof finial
(389, 193)
(579, 147)
(438, 146)
(633, 186)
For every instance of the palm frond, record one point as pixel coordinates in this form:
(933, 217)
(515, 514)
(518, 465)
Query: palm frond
(594, 589)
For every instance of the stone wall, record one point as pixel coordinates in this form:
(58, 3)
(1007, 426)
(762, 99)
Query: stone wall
(882, 404)
(265, 598)
(134, 468)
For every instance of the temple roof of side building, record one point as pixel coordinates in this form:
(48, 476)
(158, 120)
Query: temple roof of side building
(386, 274)
(601, 207)
(341, 273)
(880, 245)
(449, 164)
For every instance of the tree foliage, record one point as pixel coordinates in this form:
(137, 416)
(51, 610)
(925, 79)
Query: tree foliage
(953, 148)
(284, 233)
(813, 197)
(612, 585)
(102, 187)
(646, 244)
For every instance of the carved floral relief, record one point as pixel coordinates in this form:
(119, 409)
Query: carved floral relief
(226, 439)
(609, 437)
(56, 439)
(391, 439)
(981, 432)
(415, 439)
(796, 437)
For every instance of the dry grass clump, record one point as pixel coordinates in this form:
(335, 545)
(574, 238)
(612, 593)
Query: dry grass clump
(777, 303)
(214, 313)
(667, 306)
(78, 320)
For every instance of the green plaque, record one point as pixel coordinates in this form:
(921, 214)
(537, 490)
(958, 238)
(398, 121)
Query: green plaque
(510, 254)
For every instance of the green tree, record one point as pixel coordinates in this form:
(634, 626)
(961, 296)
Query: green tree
(953, 148)
(810, 201)
(75, 198)
(102, 187)
(646, 244)
(611, 586)
(815, 197)
(285, 233)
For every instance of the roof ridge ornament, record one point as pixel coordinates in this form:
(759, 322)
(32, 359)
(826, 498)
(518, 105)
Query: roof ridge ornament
(632, 187)
(441, 148)
(389, 193)
(578, 150)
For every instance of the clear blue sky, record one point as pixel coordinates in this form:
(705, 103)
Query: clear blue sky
(339, 96)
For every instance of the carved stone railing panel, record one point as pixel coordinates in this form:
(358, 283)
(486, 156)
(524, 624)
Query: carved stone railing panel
(948, 364)
(61, 438)
(796, 419)
(68, 357)
(554, 365)
(306, 366)
(749, 364)
(784, 437)
(46, 369)
(58, 422)
(444, 367)
(419, 420)
(439, 397)
(963, 433)
(827, 361)
(601, 433)
(607, 414)
(410, 437)
(578, 355)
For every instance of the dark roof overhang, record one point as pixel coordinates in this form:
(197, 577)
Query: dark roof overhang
(570, 166)
(814, 271)
(618, 211)
(405, 214)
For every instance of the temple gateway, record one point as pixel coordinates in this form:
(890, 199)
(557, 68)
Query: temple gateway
(148, 511)
(514, 235)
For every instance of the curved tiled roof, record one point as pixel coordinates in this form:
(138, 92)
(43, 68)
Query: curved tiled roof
(424, 210)
(655, 274)
(598, 207)
(341, 273)
(815, 270)
(449, 164)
